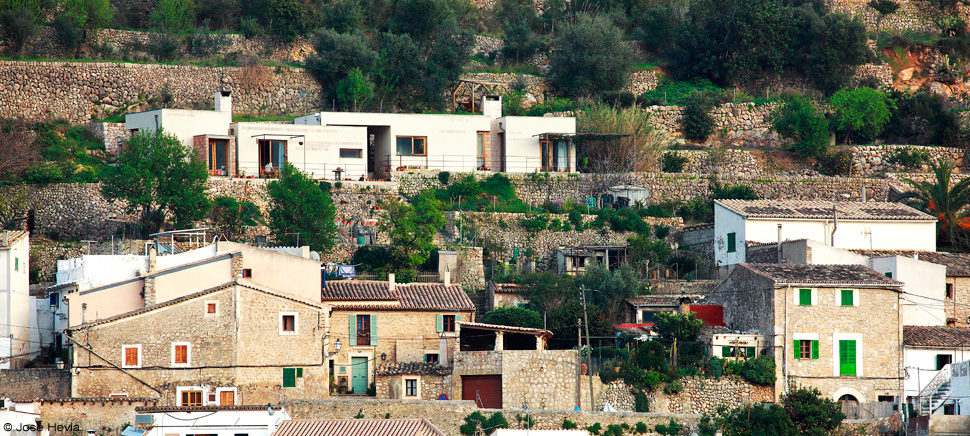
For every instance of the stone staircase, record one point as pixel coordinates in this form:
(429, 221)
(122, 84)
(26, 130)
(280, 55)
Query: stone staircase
(935, 393)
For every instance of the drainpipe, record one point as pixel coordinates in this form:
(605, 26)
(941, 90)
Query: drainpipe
(835, 224)
(779, 243)
(784, 358)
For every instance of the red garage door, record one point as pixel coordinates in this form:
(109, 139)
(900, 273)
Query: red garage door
(484, 390)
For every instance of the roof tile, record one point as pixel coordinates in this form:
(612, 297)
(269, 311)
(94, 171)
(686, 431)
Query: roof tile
(358, 427)
(417, 296)
(821, 274)
(936, 336)
(818, 209)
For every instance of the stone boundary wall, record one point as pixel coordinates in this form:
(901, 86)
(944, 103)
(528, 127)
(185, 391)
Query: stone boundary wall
(919, 16)
(504, 231)
(743, 124)
(78, 91)
(33, 383)
(536, 190)
(704, 395)
(449, 415)
(719, 161)
(874, 159)
(106, 416)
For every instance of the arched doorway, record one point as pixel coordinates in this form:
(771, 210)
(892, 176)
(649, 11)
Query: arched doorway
(850, 399)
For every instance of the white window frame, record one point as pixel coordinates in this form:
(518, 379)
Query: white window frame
(205, 308)
(235, 396)
(296, 323)
(796, 293)
(417, 389)
(180, 389)
(118, 395)
(857, 337)
(855, 297)
(124, 349)
(188, 355)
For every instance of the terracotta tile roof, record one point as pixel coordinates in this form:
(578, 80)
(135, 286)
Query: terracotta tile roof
(13, 236)
(358, 427)
(505, 328)
(159, 409)
(413, 368)
(957, 264)
(821, 274)
(817, 209)
(936, 336)
(662, 300)
(414, 296)
(507, 288)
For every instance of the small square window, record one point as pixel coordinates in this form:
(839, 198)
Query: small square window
(804, 297)
(181, 354)
(949, 291)
(131, 356)
(288, 324)
(448, 323)
(410, 387)
(732, 242)
(431, 358)
(210, 308)
(247, 273)
(847, 297)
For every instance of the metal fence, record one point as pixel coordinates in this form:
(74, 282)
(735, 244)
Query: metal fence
(868, 410)
(421, 277)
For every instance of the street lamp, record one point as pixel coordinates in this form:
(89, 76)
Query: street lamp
(337, 345)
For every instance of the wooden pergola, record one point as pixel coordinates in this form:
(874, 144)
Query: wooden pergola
(469, 88)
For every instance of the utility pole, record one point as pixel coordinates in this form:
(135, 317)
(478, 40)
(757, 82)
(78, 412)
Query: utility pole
(589, 356)
(579, 363)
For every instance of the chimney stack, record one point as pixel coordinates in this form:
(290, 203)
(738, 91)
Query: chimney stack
(223, 101)
(152, 258)
(447, 278)
(390, 282)
(492, 106)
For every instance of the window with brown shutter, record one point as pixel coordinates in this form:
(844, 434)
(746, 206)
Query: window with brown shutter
(227, 398)
(210, 308)
(181, 354)
(131, 356)
(191, 398)
(289, 323)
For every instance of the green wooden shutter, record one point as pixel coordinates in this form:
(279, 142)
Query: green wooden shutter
(889, 274)
(352, 333)
(299, 372)
(373, 330)
(289, 377)
(847, 297)
(750, 352)
(457, 320)
(847, 358)
(439, 323)
(731, 242)
(798, 349)
(815, 349)
(805, 297)
(725, 351)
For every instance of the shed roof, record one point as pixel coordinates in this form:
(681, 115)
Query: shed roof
(662, 300)
(415, 296)
(506, 329)
(783, 274)
(819, 209)
(413, 368)
(936, 336)
(358, 427)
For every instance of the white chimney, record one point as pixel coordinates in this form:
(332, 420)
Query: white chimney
(492, 106)
(390, 282)
(223, 101)
(447, 278)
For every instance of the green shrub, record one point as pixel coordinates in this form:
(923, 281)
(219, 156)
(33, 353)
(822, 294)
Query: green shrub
(568, 425)
(838, 163)
(739, 192)
(674, 93)
(759, 371)
(909, 157)
(651, 355)
(550, 105)
(861, 113)
(610, 353)
(476, 420)
(444, 177)
(535, 224)
(673, 162)
(799, 121)
(672, 428)
(513, 316)
(594, 429)
(641, 428)
(697, 121)
(165, 48)
(576, 218)
(715, 367)
(613, 430)
(621, 99)
(674, 387)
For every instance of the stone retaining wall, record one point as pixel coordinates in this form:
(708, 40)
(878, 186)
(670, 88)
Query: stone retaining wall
(874, 159)
(112, 134)
(105, 416)
(740, 124)
(917, 16)
(704, 395)
(78, 91)
(33, 383)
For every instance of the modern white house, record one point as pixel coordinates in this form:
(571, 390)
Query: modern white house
(185, 123)
(930, 353)
(447, 142)
(210, 420)
(846, 225)
(15, 302)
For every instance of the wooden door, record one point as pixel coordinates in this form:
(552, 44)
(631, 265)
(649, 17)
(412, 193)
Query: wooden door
(227, 398)
(358, 375)
(484, 390)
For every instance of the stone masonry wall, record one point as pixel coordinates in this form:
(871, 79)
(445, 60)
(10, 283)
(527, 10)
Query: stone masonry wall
(112, 134)
(874, 159)
(744, 124)
(33, 383)
(78, 91)
(704, 395)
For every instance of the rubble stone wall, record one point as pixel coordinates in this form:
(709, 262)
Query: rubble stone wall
(34, 383)
(703, 395)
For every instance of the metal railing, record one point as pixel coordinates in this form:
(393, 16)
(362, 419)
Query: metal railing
(927, 393)
(318, 170)
(421, 277)
(466, 163)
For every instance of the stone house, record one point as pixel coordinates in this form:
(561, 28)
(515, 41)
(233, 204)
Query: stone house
(501, 366)
(505, 295)
(16, 347)
(413, 381)
(147, 280)
(844, 224)
(573, 260)
(382, 323)
(835, 327)
(642, 308)
(237, 343)
(731, 345)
